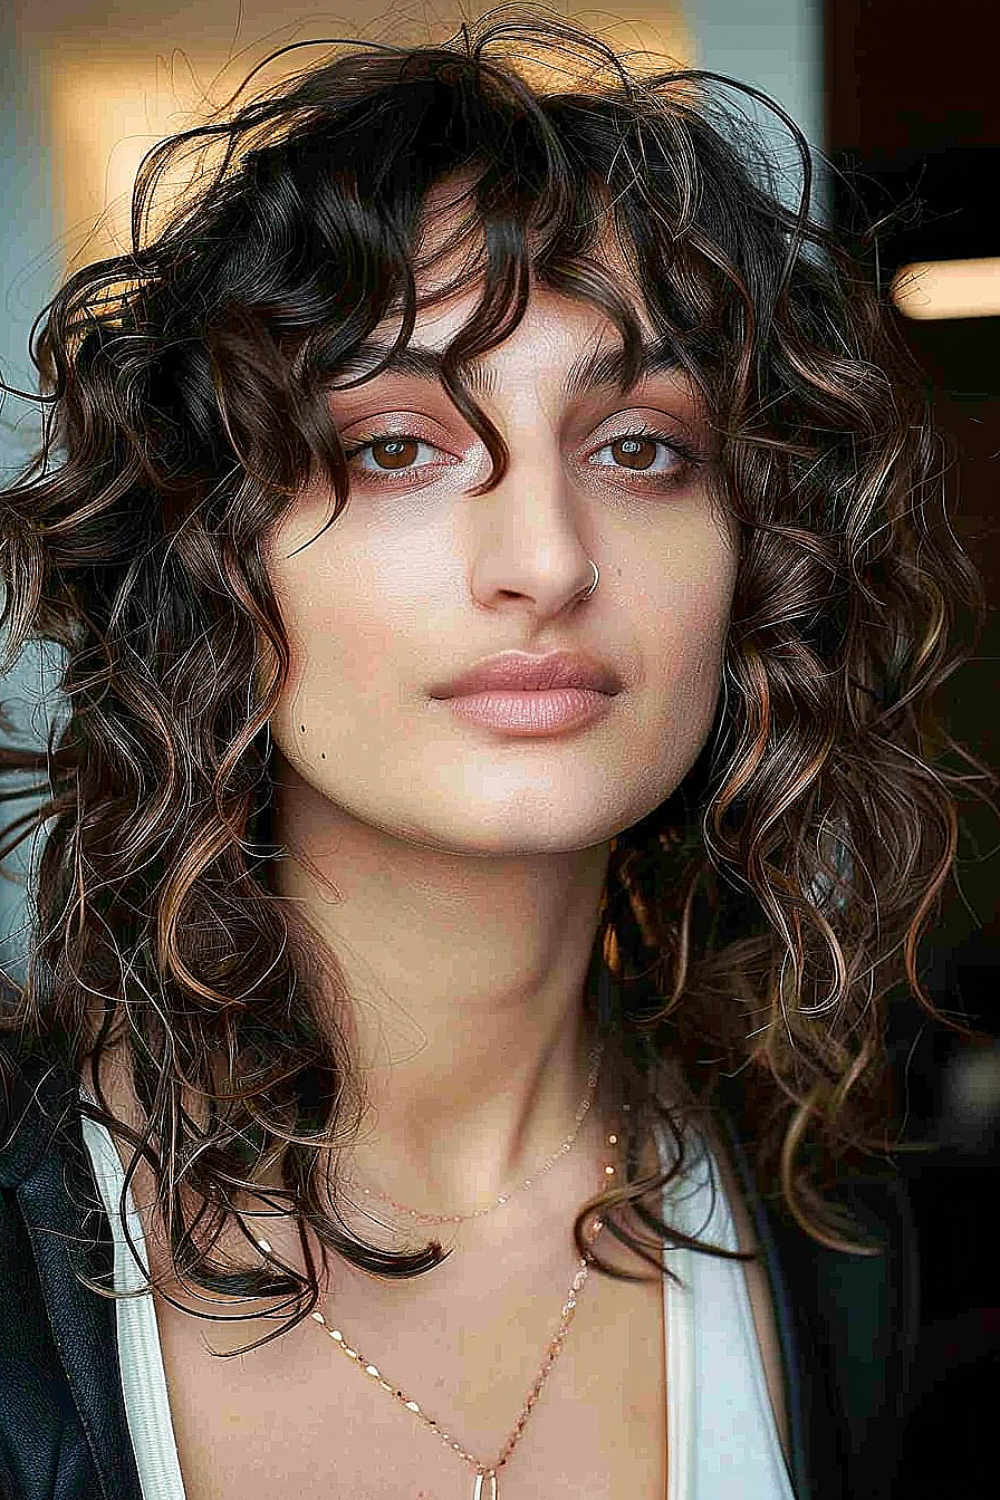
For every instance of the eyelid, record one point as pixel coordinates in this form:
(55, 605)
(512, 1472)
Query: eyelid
(410, 424)
(681, 446)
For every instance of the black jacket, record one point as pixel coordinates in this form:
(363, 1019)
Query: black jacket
(848, 1325)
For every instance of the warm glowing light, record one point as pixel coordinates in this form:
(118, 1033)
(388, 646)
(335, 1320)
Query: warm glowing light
(949, 288)
(110, 104)
(106, 114)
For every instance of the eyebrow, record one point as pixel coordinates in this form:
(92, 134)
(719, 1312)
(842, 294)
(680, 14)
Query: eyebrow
(591, 372)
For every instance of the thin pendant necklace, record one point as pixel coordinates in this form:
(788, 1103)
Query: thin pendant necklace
(597, 1052)
(487, 1482)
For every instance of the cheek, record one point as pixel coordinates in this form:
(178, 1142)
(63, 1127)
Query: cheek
(706, 620)
(690, 649)
(344, 631)
(352, 602)
(333, 639)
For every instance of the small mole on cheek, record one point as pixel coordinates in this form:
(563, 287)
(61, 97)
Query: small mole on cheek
(322, 752)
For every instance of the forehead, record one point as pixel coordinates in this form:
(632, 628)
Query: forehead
(450, 250)
(572, 339)
(571, 335)
(599, 365)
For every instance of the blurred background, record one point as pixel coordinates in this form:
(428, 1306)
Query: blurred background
(901, 102)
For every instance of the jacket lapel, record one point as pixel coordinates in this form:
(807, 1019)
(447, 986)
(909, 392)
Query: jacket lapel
(69, 1232)
(848, 1327)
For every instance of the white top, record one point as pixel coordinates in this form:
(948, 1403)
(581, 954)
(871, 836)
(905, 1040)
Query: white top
(723, 1442)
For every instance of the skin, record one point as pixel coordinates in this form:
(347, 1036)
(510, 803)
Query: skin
(456, 871)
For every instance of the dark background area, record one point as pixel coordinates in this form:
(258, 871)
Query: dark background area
(913, 112)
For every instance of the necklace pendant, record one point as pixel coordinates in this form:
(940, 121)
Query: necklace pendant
(487, 1486)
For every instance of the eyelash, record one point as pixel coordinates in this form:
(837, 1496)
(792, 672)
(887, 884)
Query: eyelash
(689, 459)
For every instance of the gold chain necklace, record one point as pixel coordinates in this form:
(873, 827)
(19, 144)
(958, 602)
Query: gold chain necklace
(596, 1054)
(487, 1483)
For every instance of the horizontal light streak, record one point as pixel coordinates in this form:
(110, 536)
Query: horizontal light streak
(932, 289)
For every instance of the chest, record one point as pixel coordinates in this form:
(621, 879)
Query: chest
(298, 1413)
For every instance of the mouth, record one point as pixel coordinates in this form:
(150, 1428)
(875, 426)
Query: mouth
(532, 711)
(518, 672)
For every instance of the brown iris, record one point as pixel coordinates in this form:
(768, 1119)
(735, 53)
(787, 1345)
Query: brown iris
(630, 445)
(396, 444)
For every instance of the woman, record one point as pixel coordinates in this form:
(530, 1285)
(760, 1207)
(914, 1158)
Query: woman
(498, 793)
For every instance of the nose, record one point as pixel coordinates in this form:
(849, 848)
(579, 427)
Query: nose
(542, 556)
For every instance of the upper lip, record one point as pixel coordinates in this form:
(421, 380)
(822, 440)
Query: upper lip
(521, 672)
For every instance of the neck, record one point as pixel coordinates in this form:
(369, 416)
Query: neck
(463, 983)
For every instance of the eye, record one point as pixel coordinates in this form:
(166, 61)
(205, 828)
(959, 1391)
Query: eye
(395, 447)
(396, 452)
(634, 448)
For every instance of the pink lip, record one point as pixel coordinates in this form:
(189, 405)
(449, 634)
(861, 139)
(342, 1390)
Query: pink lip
(537, 712)
(519, 672)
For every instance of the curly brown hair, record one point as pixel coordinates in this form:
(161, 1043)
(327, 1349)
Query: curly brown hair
(758, 919)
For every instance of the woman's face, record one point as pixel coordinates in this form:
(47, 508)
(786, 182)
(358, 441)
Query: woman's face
(417, 581)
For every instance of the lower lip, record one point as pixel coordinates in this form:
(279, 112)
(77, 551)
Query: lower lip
(533, 713)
